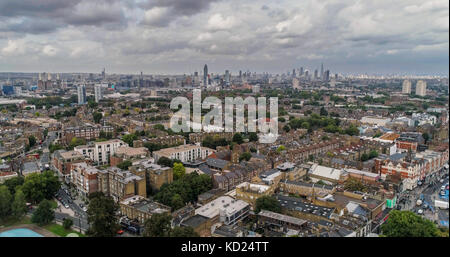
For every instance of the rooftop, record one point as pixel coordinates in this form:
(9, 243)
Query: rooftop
(225, 203)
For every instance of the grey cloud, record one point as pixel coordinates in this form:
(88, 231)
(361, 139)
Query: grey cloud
(180, 7)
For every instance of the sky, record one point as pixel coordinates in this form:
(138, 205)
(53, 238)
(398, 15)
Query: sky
(180, 36)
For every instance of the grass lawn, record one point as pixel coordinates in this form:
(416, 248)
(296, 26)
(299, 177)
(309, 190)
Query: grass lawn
(60, 230)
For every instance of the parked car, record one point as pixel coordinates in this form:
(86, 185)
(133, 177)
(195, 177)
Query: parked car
(120, 232)
(420, 211)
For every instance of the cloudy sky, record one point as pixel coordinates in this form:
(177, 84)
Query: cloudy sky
(180, 36)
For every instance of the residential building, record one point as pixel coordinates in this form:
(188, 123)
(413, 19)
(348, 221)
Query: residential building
(100, 152)
(406, 87)
(421, 88)
(140, 208)
(120, 184)
(84, 177)
(184, 153)
(225, 210)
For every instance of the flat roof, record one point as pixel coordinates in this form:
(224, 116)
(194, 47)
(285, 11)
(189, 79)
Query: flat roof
(225, 203)
(282, 217)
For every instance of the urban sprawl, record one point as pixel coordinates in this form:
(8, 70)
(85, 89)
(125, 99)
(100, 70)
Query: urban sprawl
(93, 154)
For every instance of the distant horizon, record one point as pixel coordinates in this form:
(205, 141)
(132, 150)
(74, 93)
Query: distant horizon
(233, 73)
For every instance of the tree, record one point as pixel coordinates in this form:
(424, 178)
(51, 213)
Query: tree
(97, 117)
(158, 225)
(32, 141)
(237, 138)
(178, 170)
(19, 205)
(5, 202)
(253, 137)
(286, 128)
(323, 112)
(268, 203)
(364, 157)
(129, 139)
(67, 224)
(373, 154)
(12, 183)
(44, 214)
(164, 161)
(354, 185)
(426, 137)
(245, 156)
(408, 224)
(281, 148)
(102, 215)
(176, 202)
(183, 232)
(76, 142)
(124, 165)
(352, 130)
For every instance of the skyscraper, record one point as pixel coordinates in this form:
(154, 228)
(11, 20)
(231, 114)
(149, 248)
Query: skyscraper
(205, 75)
(81, 90)
(316, 74)
(301, 71)
(421, 88)
(227, 77)
(326, 76)
(406, 87)
(98, 92)
(321, 71)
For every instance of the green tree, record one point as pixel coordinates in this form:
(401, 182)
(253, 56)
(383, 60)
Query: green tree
(323, 112)
(352, 184)
(426, 137)
(245, 156)
(5, 202)
(178, 171)
(124, 165)
(164, 161)
(76, 142)
(158, 225)
(32, 141)
(97, 117)
(67, 224)
(253, 137)
(286, 128)
(183, 232)
(19, 205)
(408, 224)
(237, 138)
(129, 139)
(268, 203)
(44, 214)
(13, 183)
(176, 202)
(281, 148)
(352, 130)
(102, 215)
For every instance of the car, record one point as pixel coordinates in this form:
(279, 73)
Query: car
(85, 209)
(442, 187)
(441, 181)
(442, 192)
(120, 232)
(59, 198)
(419, 211)
(81, 205)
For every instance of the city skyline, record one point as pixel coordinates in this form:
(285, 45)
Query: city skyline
(176, 37)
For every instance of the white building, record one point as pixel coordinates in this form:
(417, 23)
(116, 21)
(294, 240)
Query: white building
(100, 152)
(98, 92)
(184, 153)
(81, 91)
(375, 120)
(228, 210)
(421, 88)
(406, 87)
